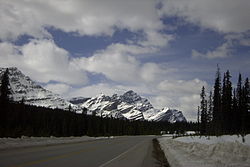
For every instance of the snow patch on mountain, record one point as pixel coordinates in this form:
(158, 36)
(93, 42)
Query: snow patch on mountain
(23, 88)
(130, 106)
(167, 114)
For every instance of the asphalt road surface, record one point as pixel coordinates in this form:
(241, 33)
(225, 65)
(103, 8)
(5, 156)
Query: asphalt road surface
(132, 151)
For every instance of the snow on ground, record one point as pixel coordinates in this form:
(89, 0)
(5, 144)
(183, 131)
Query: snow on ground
(214, 139)
(24, 141)
(195, 151)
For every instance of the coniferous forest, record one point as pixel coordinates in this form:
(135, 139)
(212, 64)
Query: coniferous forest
(18, 119)
(225, 110)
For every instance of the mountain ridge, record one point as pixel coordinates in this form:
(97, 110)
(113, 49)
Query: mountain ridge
(129, 106)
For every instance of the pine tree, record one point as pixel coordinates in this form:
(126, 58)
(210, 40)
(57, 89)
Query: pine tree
(226, 103)
(239, 90)
(5, 90)
(210, 107)
(198, 118)
(203, 110)
(4, 104)
(247, 95)
(245, 107)
(239, 99)
(70, 108)
(234, 113)
(210, 112)
(217, 117)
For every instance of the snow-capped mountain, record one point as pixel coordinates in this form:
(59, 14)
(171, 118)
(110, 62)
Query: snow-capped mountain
(130, 106)
(22, 87)
(127, 106)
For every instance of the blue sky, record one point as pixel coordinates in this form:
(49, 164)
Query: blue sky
(165, 50)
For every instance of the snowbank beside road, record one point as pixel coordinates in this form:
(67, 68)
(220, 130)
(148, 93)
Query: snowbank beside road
(214, 139)
(203, 152)
(7, 143)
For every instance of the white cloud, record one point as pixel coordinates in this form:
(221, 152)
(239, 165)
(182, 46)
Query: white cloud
(88, 17)
(9, 54)
(110, 89)
(118, 63)
(19, 18)
(245, 42)
(152, 72)
(242, 38)
(96, 89)
(181, 86)
(114, 66)
(189, 105)
(228, 17)
(131, 49)
(226, 49)
(43, 61)
(156, 39)
(222, 51)
(160, 101)
(220, 15)
(180, 94)
(61, 89)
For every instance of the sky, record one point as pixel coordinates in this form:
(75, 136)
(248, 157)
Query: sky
(165, 50)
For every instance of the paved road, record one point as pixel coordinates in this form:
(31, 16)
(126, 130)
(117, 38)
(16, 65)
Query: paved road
(117, 152)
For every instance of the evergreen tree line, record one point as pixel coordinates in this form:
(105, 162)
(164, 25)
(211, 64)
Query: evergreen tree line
(226, 110)
(17, 119)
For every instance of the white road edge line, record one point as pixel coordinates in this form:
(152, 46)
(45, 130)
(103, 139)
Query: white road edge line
(106, 163)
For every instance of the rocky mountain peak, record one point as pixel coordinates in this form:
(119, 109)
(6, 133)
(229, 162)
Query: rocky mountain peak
(22, 87)
(130, 97)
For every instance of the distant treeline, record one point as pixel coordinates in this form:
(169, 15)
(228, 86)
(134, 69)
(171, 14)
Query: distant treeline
(17, 119)
(226, 110)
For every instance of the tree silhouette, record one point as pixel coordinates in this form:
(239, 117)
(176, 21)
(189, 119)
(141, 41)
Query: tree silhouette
(5, 90)
(217, 116)
(203, 111)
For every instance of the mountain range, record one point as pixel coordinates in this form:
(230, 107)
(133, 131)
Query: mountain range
(129, 106)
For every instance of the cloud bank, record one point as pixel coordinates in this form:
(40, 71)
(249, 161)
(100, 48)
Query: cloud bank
(220, 15)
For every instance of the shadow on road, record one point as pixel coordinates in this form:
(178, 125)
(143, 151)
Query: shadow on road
(159, 155)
